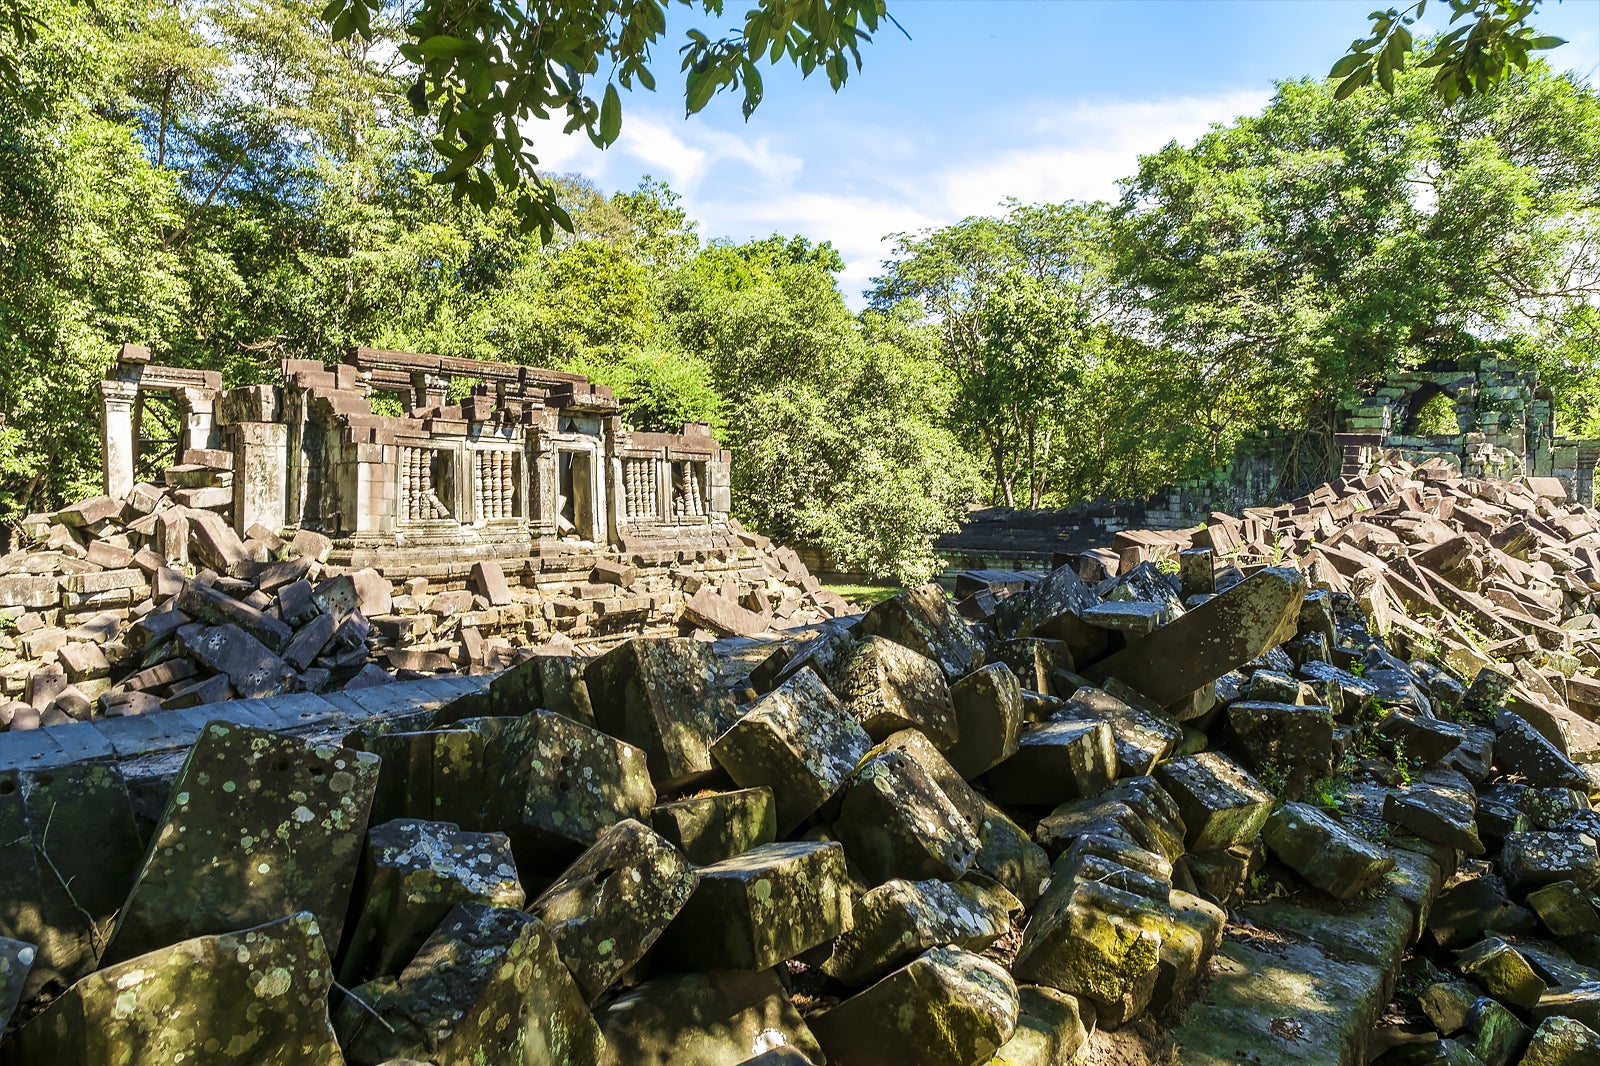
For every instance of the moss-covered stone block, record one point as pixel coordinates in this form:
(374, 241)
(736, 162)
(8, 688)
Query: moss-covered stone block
(1052, 1028)
(718, 825)
(757, 909)
(487, 987)
(1054, 762)
(988, 705)
(896, 820)
(899, 920)
(607, 908)
(947, 1006)
(705, 1019)
(798, 740)
(554, 784)
(925, 620)
(412, 874)
(664, 694)
(1221, 804)
(1325, 853)
(1095, 941)
(258, 826)
(250, 996)
(888, 687)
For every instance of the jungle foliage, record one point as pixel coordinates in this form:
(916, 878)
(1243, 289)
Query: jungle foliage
(232, 182)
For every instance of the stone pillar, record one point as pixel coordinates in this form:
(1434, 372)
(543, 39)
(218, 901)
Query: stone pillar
(260, 475)
(198, 409)
(119, 435)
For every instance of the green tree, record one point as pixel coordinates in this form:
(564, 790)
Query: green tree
(1477, 55)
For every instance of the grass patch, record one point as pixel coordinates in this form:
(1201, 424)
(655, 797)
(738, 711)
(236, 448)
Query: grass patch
(865, 595)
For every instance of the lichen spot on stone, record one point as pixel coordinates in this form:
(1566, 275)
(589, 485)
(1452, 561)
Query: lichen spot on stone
(342, 781)
(304, 814)
(605, 946)
(229, 786)
(762, 890)
(264, 868)
(275, 982)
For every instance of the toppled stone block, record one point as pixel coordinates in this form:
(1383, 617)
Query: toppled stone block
(1142, 736)
(1440, 809)
(16, 959)
(896, 820)
(490, 581)
(718, 826)
(218, 608)
(800, 741)
(1098, 942)
(1494, 1034)
(69, 850)
(889, 687)
(1221, 634)
(1503, 972)
(899, 920)
(1562, 1042)
(1035, 660)
(1056, 761)
(1565, 909)
(1186, 949)
(258, 826)
(988, 706)
(607, 909)
(1520, 749)
(948, 1006)
(1325, 853)
(1052, 1028)
(1220, 803)
(1529, 860)
(663, 694)
(1295, 738)
(754, 910)
(413, 873)
(1472, 908)
(549, 682)
(256, 995)
(926, 621)
(555, 784)
(705, 1019)
(253, 670)
(488, 987)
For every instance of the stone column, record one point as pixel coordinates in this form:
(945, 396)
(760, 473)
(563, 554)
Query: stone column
(260, 475)
(119, 435)
(198, 409)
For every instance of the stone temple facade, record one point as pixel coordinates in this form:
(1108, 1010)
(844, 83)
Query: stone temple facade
(529, 461)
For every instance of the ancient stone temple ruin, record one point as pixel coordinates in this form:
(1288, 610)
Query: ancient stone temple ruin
(523, 460)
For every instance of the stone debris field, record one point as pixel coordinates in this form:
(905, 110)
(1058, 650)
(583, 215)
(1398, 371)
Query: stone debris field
(1311, 786)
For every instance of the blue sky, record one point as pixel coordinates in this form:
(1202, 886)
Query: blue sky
(1044, 100)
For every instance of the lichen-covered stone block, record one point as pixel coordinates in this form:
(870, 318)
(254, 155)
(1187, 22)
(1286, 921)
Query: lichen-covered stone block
(249, 996)
(258, 826)
(16, 959)
(1530, 860)
(554, 784)
(718, 825)
(754, 910)
(925, 620)
(606, 910)
(486, 987)
(1325, 853)
(412, 874)
(1225, 632)
(1098, 942)
(69, 851)
(1142, 736)
(889, 687)
(988, 705)
(1562, 1042)
(548, 682)
(1441, 808)
(899, 920)
(665, 695)
(895, 820)
(1221, 804)
(799, 740)
(1056, 761)
(946, 1006)
(1297, 739)
(1503, 972)
(1052, 1028)
(705, 1019)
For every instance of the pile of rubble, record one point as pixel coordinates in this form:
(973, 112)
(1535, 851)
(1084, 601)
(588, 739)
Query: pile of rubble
(1200, 807)
(114, 607)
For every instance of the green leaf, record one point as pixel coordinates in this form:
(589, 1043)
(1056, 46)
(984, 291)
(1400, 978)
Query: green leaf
(1357, 80)
(1540, 44)
(1348, 64)
(441, 46)
(610, 115)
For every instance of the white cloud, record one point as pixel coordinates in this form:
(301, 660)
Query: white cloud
(853, 181)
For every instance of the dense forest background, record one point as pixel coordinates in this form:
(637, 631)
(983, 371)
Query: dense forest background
(224, 182)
